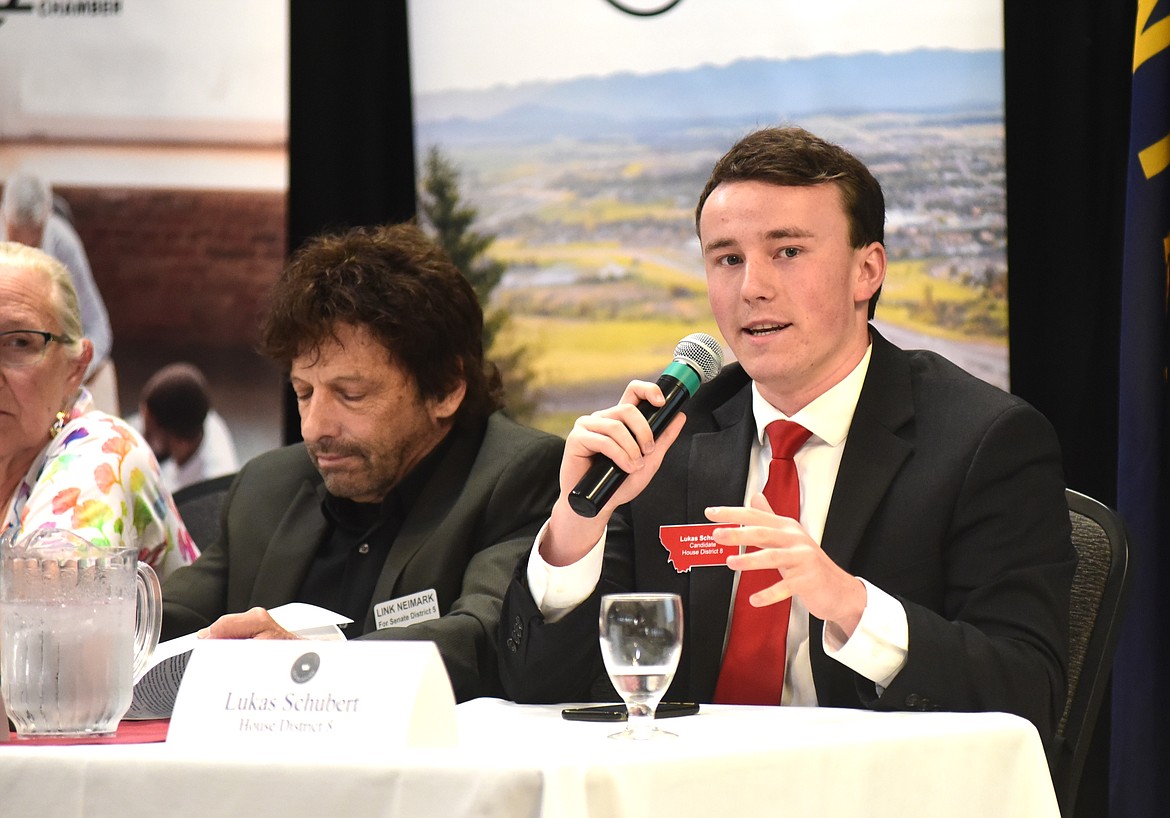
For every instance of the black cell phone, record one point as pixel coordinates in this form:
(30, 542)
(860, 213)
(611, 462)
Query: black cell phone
(617, 712)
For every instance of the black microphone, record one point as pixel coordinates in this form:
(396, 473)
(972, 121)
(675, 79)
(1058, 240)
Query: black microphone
(697, 359)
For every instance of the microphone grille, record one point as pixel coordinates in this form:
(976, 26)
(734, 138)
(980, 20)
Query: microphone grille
(702, 352)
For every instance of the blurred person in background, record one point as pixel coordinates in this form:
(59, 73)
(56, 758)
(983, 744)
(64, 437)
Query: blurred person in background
(27, 215)
(189, 438)
(64, 463)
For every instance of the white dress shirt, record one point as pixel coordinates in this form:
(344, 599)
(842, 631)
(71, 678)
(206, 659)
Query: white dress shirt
(877, 649)
(215, 457)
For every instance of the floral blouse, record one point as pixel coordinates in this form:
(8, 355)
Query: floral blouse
(99, 479)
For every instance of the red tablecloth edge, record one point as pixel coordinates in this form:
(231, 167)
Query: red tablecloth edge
(129, 732)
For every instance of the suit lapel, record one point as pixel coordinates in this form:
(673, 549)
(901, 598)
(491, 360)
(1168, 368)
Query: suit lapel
(874, 452)
(425, 517)
(717, 475)
(295, 541)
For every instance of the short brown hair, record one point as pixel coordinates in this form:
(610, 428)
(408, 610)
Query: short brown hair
(401, 286)
(793, 157)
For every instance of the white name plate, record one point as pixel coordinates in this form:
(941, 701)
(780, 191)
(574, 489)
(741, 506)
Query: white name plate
(290, 693)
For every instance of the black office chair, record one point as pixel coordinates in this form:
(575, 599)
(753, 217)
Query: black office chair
(200, 504)
(1098, 592)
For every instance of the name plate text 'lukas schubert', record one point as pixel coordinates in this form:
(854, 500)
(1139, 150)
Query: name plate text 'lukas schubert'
(280, 693)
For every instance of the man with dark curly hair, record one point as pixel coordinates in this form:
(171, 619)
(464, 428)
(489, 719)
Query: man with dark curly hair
(411, 489)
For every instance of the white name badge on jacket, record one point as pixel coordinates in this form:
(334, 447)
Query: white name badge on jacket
(407, 610)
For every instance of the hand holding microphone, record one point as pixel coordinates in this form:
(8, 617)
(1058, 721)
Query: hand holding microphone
(697, 359)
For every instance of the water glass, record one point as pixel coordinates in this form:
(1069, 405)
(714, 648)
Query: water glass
(641, 638)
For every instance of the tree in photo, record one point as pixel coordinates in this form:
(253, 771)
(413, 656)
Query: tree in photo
(443, 211)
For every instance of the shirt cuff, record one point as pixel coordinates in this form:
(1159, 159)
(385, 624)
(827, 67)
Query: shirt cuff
(878, 647)
(559, 589)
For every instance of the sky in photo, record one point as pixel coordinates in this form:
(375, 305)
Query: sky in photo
(470, 44)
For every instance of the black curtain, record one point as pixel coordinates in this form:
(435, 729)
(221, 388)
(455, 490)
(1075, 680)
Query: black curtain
(1067, 123)
(351, 137)
(1067, 82)
(1067, 75)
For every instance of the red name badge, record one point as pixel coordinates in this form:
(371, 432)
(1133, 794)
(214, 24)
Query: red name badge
(693, 546)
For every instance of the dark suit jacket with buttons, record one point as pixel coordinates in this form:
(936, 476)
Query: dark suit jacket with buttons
(950, 496)
(476, 515)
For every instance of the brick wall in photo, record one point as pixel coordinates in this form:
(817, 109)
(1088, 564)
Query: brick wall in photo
(181, 267)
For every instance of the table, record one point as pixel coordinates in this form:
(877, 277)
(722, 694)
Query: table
(514, 760)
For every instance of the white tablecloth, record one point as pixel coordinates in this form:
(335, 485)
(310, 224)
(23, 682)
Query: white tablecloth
(514, 760)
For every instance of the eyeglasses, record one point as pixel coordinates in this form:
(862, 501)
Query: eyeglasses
(26, 347)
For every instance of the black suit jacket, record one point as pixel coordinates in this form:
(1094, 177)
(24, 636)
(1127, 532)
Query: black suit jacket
(478, 512)
(950, 496)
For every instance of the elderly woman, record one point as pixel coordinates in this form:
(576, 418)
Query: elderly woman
(62, 463)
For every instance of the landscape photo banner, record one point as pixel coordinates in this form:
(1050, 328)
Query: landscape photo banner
(580, 137)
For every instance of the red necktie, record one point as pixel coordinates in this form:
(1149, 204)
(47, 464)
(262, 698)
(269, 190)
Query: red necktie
(753, 665)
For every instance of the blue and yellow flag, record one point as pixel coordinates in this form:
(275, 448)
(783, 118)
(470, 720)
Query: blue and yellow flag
(1140, 749)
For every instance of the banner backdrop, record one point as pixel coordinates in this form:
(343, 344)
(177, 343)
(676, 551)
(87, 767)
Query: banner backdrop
(581, 135)
(162, 127)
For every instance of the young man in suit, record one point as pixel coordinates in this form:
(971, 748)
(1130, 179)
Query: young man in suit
(927, 561)
(410, 484)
